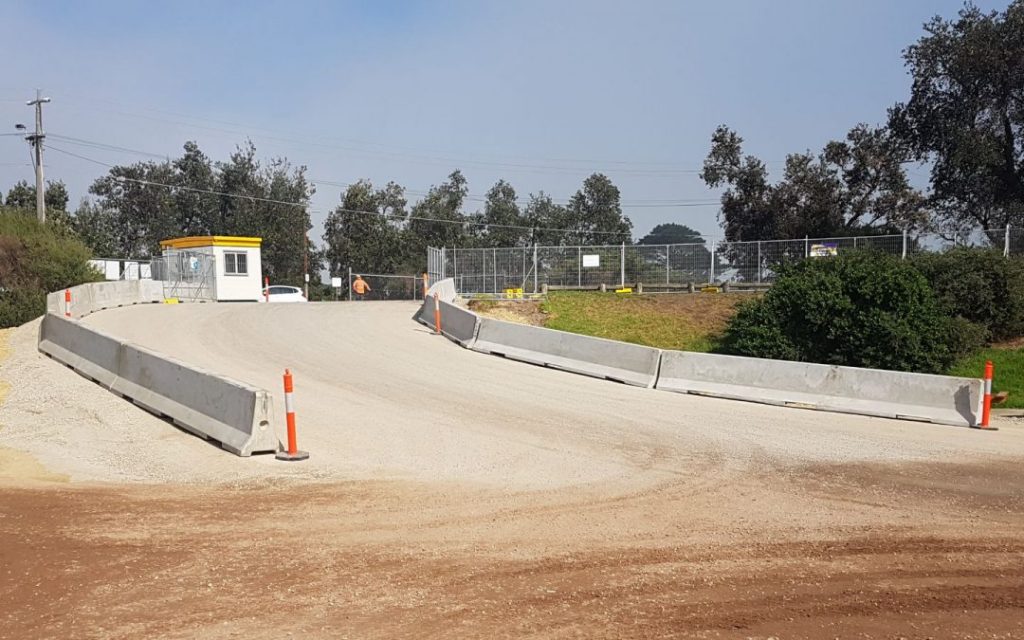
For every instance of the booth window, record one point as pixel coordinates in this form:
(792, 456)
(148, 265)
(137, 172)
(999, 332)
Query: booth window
(236, 264)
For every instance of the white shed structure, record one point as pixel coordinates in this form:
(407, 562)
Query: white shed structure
(231, 266)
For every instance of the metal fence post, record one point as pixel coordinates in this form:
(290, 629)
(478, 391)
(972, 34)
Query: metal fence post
(807, 247)
(622, 267)
(350, 284)
(904, 257)
(579, 267)
(1006, 242)
(758, 262)
(523, 282)
(668, 264)
(535, 268)
(711, 280)
(495, 270)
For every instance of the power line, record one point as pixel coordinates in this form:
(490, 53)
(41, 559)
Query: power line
(396, 217)
(655, 203)
(240, 128)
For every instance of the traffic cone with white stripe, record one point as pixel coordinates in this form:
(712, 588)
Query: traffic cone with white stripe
(293, 453)
(986, 407)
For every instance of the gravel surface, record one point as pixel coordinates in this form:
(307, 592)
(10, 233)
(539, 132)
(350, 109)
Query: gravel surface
(379, 396)
(457, 495)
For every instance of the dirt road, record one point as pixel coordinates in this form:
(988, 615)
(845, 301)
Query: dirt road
(458, 495)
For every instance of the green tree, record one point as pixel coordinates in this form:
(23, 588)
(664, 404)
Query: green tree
(437, 220)
(95, 227)
(544, 218)
(854, 186)
(141, 204)
(966, 115)
(502, 210)
(364, 232)
(196, 207)
(594, 214)
(139, 209)
(672, 233)
(23, 196)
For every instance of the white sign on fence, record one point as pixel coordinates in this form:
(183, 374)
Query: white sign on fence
(336, 282)
(592, 260)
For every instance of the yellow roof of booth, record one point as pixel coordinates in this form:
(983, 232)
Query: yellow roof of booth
(192, 242)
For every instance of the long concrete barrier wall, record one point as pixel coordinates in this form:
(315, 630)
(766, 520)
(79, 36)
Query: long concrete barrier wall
(619, 361)
(873, 392)
(96, 296)
(236, 415)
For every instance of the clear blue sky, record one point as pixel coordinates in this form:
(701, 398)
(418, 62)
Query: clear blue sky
(540, 93)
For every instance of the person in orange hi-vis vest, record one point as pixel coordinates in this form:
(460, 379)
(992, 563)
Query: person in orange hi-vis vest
(360, 287)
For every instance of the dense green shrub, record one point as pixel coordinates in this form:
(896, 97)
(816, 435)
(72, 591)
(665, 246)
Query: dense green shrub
(36, 259)
(982, 286)
(862, 309)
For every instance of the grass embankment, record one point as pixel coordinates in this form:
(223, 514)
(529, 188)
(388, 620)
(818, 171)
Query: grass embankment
(689, 322)
(1008, 361)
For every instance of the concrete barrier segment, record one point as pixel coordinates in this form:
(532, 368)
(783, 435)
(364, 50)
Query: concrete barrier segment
(872, 392)
(238, 416)
(619, 361)
(458, 324)
(96, 296)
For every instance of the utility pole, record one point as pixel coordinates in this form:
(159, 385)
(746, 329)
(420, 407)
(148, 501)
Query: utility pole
(305, 260)
(36, 140)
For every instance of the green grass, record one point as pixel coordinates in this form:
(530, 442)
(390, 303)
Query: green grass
(1009, 372)
(642, 320)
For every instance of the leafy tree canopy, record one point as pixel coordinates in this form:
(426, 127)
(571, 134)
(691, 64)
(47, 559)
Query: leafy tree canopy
(854, 186)
(672, 233)
(966, 115)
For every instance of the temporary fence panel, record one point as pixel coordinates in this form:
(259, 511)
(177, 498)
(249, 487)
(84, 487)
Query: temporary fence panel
(118, 269)
(186, 274)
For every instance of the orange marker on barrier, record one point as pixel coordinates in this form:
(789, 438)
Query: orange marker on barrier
(67, 303)
(426, 285)
(986, 408)
(293, 452)
(266, 288)
(437, 314)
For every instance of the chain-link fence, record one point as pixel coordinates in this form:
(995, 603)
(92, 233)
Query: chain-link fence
(676, 266)
(385, 287)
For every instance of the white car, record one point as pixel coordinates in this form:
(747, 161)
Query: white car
(282, 293)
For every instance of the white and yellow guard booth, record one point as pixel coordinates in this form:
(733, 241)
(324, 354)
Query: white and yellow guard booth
(221, 268)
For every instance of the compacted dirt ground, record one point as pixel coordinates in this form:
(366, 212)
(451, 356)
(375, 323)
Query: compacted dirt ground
(456, 495)
(934, 552)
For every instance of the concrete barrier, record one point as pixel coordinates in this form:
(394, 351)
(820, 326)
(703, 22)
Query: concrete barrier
(96, 296)
(236, 415)
(458, 324)
(872, 392)
(620, 361)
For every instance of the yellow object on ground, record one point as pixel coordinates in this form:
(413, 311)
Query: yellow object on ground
(625, 290)
(170, 301)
